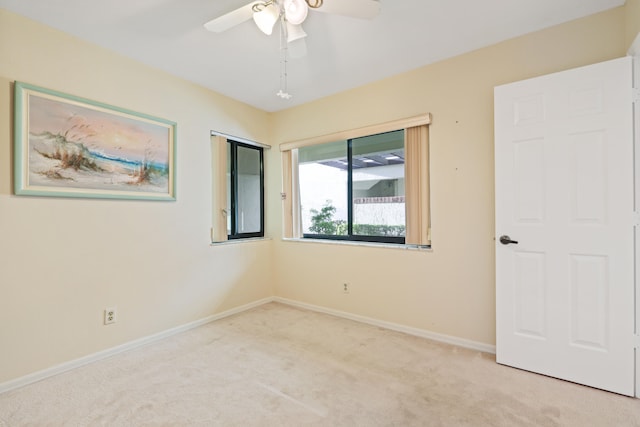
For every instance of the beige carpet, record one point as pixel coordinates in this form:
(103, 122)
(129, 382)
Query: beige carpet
(277, 365)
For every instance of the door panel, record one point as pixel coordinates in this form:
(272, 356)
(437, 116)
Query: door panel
(529, 176)
(564, 192)
(588, 175)
(589, 301)
(530, 300)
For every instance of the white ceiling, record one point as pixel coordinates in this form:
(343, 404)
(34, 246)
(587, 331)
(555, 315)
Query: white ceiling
(343, 52)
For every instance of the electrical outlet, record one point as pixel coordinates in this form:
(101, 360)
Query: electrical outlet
(110, 315)
(345, 288)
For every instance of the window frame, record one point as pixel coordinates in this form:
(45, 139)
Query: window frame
(350, 236)
(233, 145)
(417, 181)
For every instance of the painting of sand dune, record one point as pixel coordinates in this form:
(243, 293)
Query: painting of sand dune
(67, 146)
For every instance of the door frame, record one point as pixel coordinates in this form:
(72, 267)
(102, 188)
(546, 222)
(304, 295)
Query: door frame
(634, 51)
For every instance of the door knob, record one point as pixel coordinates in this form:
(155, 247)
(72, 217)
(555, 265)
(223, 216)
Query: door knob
(505, 240)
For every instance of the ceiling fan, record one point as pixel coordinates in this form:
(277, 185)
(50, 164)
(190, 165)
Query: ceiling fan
(291, 13)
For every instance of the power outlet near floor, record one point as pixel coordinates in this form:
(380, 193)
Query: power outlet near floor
(110, 315)
(346, 288)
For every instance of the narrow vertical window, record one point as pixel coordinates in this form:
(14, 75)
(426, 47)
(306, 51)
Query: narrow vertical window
(245, 190)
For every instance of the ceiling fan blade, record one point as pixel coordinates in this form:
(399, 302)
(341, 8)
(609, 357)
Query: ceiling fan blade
(362, 9)
(231, 19)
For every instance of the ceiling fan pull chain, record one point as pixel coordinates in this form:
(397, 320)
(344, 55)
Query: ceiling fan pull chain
(283, 92)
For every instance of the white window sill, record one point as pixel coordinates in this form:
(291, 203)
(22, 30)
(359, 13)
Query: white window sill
(239, 241)
(365, 244)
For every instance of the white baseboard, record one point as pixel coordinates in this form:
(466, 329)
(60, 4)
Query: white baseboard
(67, 366)
(448, 339)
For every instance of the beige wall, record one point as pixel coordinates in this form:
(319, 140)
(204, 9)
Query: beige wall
(632, 21)
(451, 289)
(62, 261)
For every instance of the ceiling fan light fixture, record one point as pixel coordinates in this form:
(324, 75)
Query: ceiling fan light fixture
(295, 11)
(314, 3)
(266, 18)
(294, 32)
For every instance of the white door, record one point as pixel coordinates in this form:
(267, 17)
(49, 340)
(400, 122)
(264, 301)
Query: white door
(564, 193)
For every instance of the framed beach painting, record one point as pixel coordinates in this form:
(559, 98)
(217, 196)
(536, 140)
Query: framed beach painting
(67, 146)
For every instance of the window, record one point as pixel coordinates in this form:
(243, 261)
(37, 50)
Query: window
(245, 191)
(237, 188)
(354, 189)
(369, 184)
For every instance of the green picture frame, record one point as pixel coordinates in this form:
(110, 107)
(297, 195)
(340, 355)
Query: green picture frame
(67, 146)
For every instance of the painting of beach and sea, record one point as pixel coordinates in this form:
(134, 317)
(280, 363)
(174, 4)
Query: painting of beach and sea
(72, 147)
